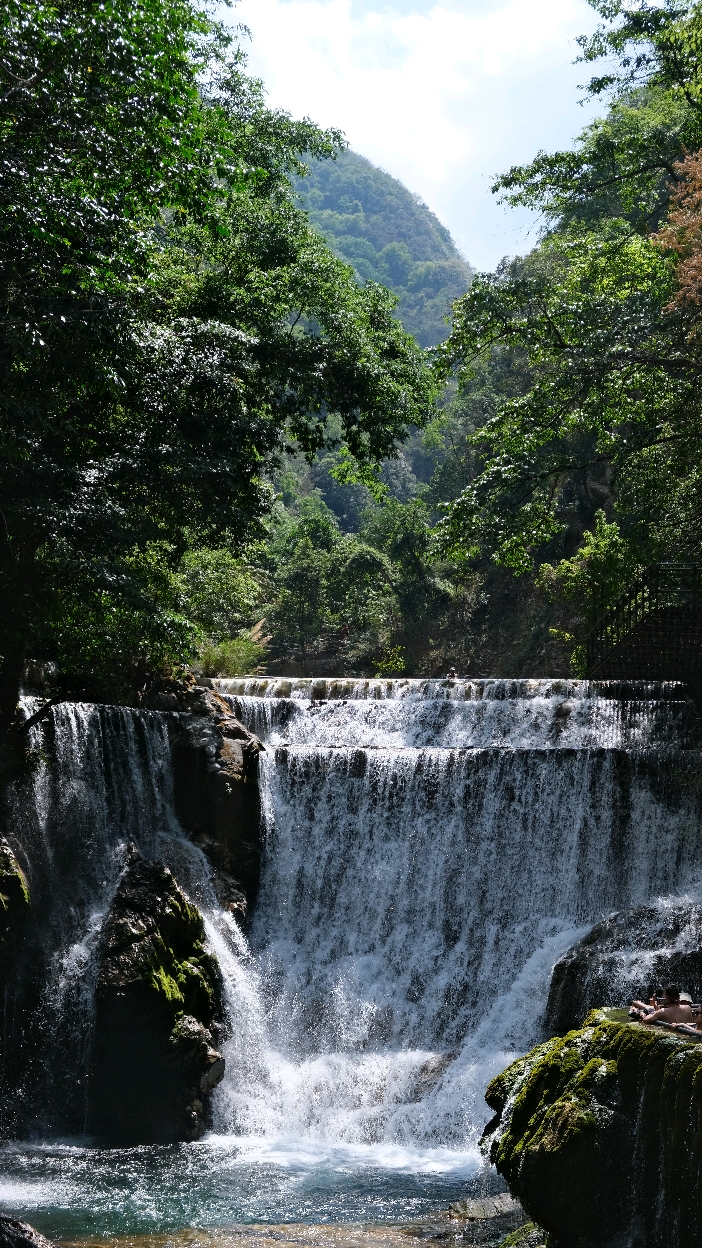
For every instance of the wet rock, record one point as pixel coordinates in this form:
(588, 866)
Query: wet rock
(215, 767)
(230, 895)
(487, 1219)
(625, 957)
(14, 904)
(158, 994)
(485, 1207)
(598, 1135)
(528, 1236)
(429, 1074)
(15, 1234)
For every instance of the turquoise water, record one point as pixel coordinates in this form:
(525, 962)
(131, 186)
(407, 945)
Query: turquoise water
(69, 1191)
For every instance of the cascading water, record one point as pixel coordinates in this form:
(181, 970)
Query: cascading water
(431, 849)
(105, 781)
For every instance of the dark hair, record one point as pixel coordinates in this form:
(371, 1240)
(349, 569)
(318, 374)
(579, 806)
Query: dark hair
(672, 992)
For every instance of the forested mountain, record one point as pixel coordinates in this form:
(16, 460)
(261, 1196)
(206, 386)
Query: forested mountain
(389, 236)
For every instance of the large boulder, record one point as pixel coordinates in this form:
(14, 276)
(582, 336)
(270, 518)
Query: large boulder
(599, 1136)
(158, 993)
(624, 957)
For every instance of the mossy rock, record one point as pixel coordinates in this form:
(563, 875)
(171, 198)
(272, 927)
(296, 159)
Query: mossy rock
(528, 1236)
(158, 994)
(589, 1125)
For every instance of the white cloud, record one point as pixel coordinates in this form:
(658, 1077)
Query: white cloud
(442, 97)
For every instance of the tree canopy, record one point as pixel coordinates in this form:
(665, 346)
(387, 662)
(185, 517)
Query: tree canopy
(602, 318)
(170, 322)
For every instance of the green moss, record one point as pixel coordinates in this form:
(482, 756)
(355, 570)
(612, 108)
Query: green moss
(500, 1088)
(592, 1121)
(13, 885)
(183, 984)
(162, 982)
(528, 1236)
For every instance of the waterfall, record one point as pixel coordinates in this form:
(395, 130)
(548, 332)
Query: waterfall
(431, 849)
(103, 780)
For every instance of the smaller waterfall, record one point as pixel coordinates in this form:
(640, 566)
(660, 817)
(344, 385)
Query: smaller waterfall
(106, 780)
(461, 714)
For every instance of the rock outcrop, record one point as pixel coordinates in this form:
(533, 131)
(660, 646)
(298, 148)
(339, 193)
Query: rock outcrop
(599, 1135)
(215, 768)
(624, 957)
(14, 904)
(15, 1234)
(157, 996)
(486, 1219)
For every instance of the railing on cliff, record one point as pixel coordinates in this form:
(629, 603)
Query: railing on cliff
(660, 587)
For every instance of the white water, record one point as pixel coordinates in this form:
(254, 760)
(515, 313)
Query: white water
(525, 714)
(431, 850)
(106, 781)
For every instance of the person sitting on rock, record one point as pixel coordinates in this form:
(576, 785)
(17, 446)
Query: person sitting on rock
(695, 1028)
(639, 1008)
(674, 1010)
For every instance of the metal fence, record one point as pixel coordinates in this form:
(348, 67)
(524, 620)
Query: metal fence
(662, 586)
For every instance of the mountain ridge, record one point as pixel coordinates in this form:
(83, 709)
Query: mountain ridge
(390, 236)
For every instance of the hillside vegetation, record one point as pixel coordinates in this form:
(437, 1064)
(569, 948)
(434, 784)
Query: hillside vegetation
(389, 236)
(237, 427)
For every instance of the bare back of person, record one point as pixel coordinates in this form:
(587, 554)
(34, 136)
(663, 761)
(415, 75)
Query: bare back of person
(679, 1012)
(674, 1010)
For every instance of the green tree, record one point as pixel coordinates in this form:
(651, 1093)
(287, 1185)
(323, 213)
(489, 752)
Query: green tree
(403, 531)
(613, 369)
(592, 579)
(220, 591)
(169, 318)
(302, 611)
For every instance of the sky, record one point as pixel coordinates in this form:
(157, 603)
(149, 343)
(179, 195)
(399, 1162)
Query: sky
(441, 95)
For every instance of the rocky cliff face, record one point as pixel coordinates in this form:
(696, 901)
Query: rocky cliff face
(14, 904)
(157, 999)
(215, 773)
(624, 957)
(599, 1135)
